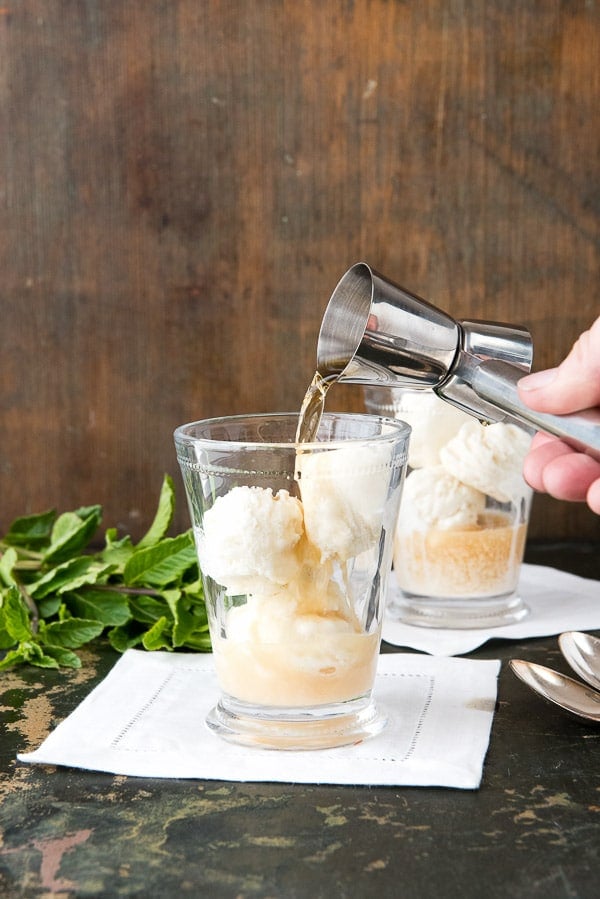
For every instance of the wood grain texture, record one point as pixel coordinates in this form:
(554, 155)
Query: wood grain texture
(183, 184)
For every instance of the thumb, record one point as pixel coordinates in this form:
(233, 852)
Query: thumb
(573, 385)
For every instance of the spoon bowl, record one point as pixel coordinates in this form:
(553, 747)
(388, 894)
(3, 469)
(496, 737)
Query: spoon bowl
(563, 691)
(582, 652)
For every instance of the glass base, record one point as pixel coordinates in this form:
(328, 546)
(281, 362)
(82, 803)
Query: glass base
(321, 727)
(454, 613)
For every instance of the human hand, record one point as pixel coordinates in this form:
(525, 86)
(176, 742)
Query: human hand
(552, 466)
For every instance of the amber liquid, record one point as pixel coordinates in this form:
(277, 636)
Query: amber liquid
(482, 560)
(312, 408)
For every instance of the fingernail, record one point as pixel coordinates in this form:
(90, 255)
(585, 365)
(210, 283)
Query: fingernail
(538, 379)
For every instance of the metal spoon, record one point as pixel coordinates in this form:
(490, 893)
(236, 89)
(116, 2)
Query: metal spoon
(569, 694)
(582, 652)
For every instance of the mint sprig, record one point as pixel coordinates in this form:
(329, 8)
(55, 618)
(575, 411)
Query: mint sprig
(57, 594)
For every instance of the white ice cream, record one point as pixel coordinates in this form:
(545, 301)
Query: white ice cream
(489, 459)
(277, 619)
(433, 498)
(255, 542)
(296, 639)
(249, 540)
(343, 495)
(433, 422)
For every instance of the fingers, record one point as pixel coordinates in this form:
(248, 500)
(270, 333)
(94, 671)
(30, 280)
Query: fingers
(544, 450)
(593, 497)
(573, 385)
(553, 467)
(570, 477)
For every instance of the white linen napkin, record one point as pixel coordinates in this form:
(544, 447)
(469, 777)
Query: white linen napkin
(147, 718)
(557, 602)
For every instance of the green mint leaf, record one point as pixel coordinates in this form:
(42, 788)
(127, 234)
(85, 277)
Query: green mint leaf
(49, 607)
(64, 657)
(123, 638)
(116, 552)
(164, 515)
(31, 652)
(172, 598)
(184, 622)
(13, 657)
(15, 616)
(194, 593)
(195, 589)
(71, 532)
(158, 636)
(70, 576)
(42, 660)
(108, 606)
(71, 633)
(146, 609)
(200, 616)
(31, 531)
(183, 628)
(163, 564)
(7, 563)
(199, 641)
(6, 641)
(190, 621)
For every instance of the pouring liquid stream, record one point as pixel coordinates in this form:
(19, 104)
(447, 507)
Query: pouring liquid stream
(312, 408)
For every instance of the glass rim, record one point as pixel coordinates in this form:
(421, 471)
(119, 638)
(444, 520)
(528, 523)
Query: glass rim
(397, 429)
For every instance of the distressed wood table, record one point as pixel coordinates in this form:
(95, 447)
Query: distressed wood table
(532, 829)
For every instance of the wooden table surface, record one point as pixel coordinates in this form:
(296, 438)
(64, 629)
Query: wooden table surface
(532, 829)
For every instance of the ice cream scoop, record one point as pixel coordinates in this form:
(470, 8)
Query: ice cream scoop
(433, 498)
(489, 459)
(433, 423)
(343, 496)
(248, 542)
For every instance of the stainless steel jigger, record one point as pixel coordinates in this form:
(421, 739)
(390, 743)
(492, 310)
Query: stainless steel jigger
(376, 333)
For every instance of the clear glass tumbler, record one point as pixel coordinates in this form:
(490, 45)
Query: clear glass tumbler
(462, 526)
(295, 546)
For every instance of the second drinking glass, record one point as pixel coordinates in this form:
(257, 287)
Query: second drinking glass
(463, 520)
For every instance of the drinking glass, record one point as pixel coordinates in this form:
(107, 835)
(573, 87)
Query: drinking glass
(462, 526)
(294, 544)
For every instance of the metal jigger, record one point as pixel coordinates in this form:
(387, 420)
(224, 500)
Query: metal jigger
(378, 334)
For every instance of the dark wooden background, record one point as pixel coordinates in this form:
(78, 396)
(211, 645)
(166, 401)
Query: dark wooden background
(182, 183)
